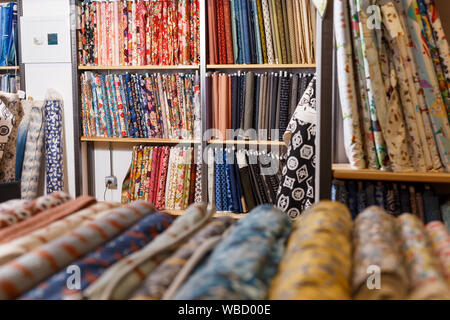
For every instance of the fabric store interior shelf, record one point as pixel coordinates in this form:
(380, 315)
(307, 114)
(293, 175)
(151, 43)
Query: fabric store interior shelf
(217, 215)
(155, 141)
(149, 67)
(260, 66)
(246, 142)
(344, 171)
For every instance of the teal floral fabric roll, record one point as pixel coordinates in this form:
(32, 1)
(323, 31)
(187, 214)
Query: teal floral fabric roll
(243, 265)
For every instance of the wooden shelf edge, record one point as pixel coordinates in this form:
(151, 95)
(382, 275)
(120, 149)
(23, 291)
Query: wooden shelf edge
(217, 215)
(261, 66)
(149, 67)
(246, 142)
(345, 172)
(7, 68)
(140, 140)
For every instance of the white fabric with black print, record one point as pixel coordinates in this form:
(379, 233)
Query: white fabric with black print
(296, 191)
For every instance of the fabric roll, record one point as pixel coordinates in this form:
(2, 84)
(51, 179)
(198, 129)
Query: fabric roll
(93, 264)
(440, 241)
(22, 133)
(52, 257)
(234, 31)
(161, 278)
(297, 185)
(265, 230)
(261, 31)
(425, 276)
(281, 33)
(125, 276)
(29, 242)
(54, 152)
(434, 101)
(291, 30)
(317, 264)
(431, 206)
(420, 206)
(12, 111)
(228, 32)
(15, 211)
(445, 209)
(347, 91)
(275, 32)
(268, 31)
(249, 100)
(375, 244)
(370, 194)
(405, 204)
(45, 218)
(245, 176)
(412, 200)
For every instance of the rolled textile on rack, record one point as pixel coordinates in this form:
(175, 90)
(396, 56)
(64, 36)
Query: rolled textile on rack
(161, 278)
(347, 88)
(31, 241)
(317, 264)
(54, 141)
(445, 209)
(34, 148)
(11, 104)
(244, 263)
(15, 211)
(52, 257)
(440, 240)
(375, 244)
(125, 276)
(45, 218)
(425, 276)
(94, 264)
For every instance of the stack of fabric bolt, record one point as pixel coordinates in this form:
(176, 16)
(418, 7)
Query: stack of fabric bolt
(243, 179)
(141, 106)
(262, 102)
(395, 76)
(137, 33)
(8, 29)
(168, 177)
(137, 252)
(261, 31)
(395, 198)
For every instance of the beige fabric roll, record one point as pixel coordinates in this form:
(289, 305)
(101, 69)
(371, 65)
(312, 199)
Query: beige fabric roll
(376, 246)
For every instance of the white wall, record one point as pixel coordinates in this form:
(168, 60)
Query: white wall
(40, 77)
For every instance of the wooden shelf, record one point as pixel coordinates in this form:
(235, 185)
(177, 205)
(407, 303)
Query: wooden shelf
(345, 172)
(155, 141)
(149, 67)
(217, 215)
(260, 66)
(247, 142)
(9, 68)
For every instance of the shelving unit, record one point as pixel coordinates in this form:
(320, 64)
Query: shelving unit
(149, 67)
(155, 141)
(85, 145)
(260, 66)
(345, 172)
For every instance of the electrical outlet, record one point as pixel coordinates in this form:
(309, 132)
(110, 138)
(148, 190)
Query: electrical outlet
(111, 182)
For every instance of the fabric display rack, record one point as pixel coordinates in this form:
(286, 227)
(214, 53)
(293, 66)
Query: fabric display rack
(9, 48)
(195, 74)
(11, 74)
(137, 252)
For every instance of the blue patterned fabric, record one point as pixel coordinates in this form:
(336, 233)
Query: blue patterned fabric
(228, 183)
(431, 206)
(370, 194)
(54, 146)
(352, 198)
(94, 264)
(245, 262)
(380, 195)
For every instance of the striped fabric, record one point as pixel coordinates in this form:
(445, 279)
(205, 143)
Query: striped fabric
(15, 211)
(124, 277)
(29, 242)
(93, 265)
(22, 274)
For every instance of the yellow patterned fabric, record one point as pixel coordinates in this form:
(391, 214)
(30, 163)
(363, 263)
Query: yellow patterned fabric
(317, 264)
